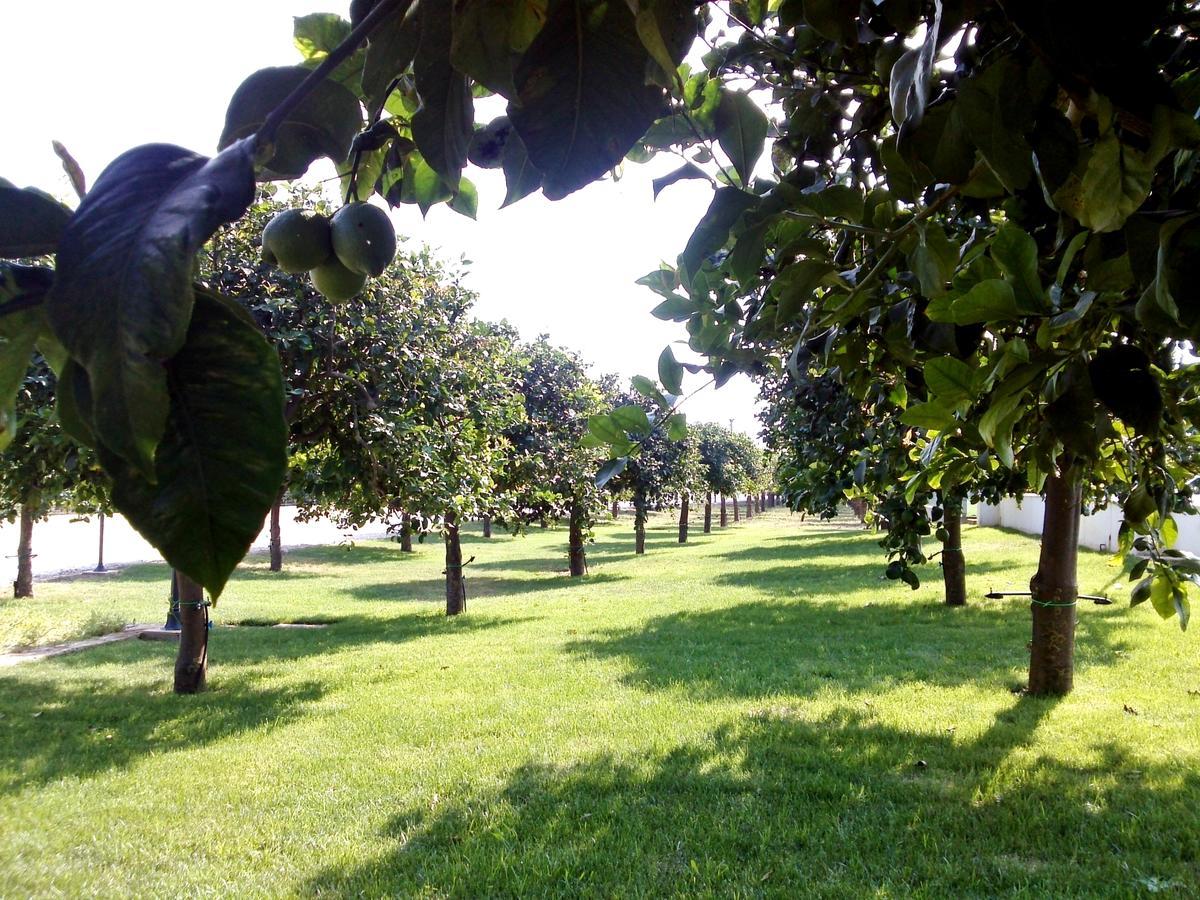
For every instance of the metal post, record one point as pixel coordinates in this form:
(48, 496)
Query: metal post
(100, 561)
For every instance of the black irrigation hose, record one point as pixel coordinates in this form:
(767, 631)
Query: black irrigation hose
(1000, 595)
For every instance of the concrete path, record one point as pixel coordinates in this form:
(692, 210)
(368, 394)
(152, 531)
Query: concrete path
(33, 654)
(64, 543)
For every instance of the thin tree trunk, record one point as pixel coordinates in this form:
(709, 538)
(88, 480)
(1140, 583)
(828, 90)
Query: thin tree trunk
(576, 554)
(276, 541)
(1054, 589)
(406, 534)
(737, 514)
(708, 512)
(487, 526)
(954, 566)
(684, 509)
(724, 514)
(456, 589)
(616, 509)
(639, 527)
(749, 507)
(191, 665)
(23, 586)
(100, 550)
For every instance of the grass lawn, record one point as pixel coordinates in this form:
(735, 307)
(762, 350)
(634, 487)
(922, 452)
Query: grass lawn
(756, 713)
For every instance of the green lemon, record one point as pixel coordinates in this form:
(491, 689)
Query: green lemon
(297, 240)
(337, 282)
(363, 238)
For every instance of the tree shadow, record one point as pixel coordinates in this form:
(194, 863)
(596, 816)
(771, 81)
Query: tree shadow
(81, 726)
(433, 590)
(780, 803)
(799, 647)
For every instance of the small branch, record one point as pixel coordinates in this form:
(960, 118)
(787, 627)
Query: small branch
(72, 168)
(338, 55)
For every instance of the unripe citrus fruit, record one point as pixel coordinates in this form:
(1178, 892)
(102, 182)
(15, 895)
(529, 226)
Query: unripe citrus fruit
(363, 238)
(337, 282)
(297, 240)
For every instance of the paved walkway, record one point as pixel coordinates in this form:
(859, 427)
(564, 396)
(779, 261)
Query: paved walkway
(33, 654)
(65, 544)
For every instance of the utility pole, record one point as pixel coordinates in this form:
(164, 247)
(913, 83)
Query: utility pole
(100, 561)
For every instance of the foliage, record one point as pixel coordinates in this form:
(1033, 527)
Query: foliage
(547, 471)
(397, 117)
(974, 200)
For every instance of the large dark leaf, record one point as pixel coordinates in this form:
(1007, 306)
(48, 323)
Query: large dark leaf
(30, 222)
(392, 48)
(482, 47)
(583, 100)
(727, 206)
(521, 176)
(19, 332)
(123, 292)
(223, 456)
(323, 124)
(741, 131)
(443, 125)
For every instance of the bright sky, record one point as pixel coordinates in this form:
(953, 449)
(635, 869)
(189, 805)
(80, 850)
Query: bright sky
(105, 77)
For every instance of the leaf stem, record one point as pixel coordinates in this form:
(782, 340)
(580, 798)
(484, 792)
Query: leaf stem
(338, 55)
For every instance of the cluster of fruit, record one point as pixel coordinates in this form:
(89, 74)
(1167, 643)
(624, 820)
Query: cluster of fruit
(339, 253)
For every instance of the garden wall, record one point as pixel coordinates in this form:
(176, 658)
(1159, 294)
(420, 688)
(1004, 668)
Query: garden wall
(1097, 531)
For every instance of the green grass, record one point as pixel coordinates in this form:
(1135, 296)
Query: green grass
(756, 713)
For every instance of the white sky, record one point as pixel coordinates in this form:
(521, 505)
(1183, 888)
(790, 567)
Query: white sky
(102, 78)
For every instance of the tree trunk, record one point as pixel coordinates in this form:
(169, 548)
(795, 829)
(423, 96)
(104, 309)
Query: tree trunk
(1054, 589)
(684, 509)
(749, 507)
(23, 586)
(487, 526)
(406, 534)
(616, 508)
(191, 665)
(576, 554)
(708, 513)
(456, 588)
(100, 549)
(737, 515)
(276, 541)
(954, 566)
(639, 527)
(724, 514)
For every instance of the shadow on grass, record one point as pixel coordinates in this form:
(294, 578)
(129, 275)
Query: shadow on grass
(798, 647)
(81, 726)
(779, 804)
(433, 590)
(56, 723)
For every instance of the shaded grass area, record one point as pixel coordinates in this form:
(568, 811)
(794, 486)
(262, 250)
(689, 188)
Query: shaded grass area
(756, 713)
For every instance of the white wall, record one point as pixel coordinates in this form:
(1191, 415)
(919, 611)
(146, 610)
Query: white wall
(1097, 531)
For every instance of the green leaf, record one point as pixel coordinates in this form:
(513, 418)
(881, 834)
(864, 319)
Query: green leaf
(649, 390)
(741, 131)
(582, 96)
(315, 35)
(932, 416)
(123, 293)
(995, 107)
(1017, 255)
(991, 300)
(611, 470)
(482, 47)
(393, 47)
(18, 335)
(675, 309)
(222, 459)
(466, 199)
(677, 427)
(322, 125)
(950, 380)
(443, 125)
(1162, 596)
(604, 428)
(521, 176)
(933, 260)
(670, 372)
(684, 172)
(31, 223)
(794, 288)
(710, 235)
(632, 419)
